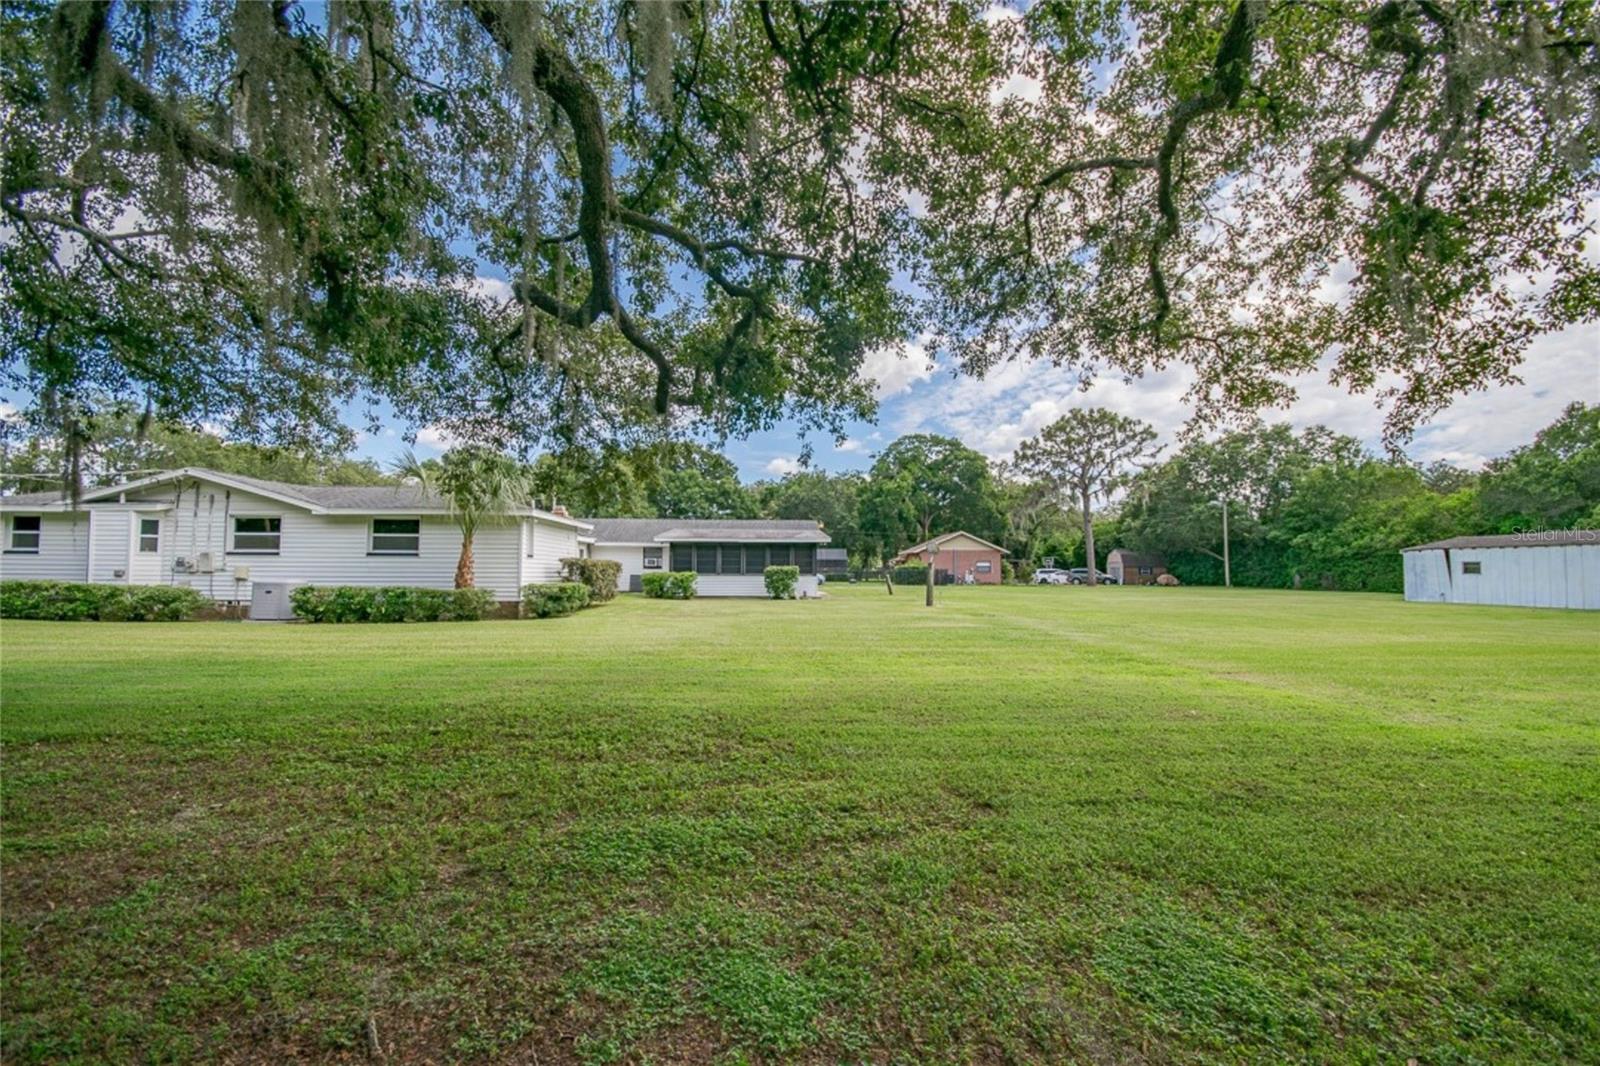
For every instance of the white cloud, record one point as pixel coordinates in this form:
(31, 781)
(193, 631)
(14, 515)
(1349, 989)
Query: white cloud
(850, 446)
(783, 465)
(995, 413)
(895, 370)
(436, 437)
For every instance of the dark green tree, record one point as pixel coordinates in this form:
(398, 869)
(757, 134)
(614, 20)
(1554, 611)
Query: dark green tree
(832, 499)
(924, 484)
(1553, 482)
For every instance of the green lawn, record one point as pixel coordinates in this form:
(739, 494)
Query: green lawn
(1036, 825)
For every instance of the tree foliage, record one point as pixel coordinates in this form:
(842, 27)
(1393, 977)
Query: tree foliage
(246, 211)
(119, 441)
(924, 484)
(1264, 188)
(1085, 455)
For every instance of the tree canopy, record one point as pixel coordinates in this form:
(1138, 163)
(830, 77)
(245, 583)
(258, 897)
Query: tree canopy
(924, 484)
(555, 223)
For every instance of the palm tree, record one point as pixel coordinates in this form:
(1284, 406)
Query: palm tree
(480, 485)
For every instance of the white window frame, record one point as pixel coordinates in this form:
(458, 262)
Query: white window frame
(233, 534)
(647, 563)
(373, 534)
(12, 531)
(140, 536)
(983, 566)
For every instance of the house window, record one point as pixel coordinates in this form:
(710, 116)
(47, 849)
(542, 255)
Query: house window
(652, 558)
(1146, 571)
(149, 535)
(779, 555)
(682, 557)
(705, 558)
(257, 535)
(25, 531)
(984, 567)
(1472, 568)
(396, 536)
(755, 558)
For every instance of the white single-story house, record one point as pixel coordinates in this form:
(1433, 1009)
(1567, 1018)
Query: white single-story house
(222, 534)
(1554, 568)
(729, 555)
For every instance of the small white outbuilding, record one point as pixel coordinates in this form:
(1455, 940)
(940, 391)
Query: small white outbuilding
(1548, 568)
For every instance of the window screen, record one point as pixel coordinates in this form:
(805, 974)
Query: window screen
(779, 555)
(805, 557)
(396, 536)
(257, 534)
(705, 558)
(652, 558)
(682, 557)
(149, 535)
(1472, 568)
(25, 532)
(755, 558)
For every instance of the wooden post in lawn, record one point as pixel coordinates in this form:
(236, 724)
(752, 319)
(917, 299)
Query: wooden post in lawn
(930, 583)
(1227, 562)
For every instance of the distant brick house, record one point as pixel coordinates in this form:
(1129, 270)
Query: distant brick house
(1135, 568)
(957, 555)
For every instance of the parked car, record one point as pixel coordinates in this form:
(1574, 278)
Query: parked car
(1050, 575)
(1079, 575)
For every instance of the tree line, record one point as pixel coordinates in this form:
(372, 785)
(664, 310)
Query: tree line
(1306, 509)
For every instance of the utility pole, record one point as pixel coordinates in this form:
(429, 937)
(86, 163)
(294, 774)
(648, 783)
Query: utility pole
(1227, 567)
(932, 556)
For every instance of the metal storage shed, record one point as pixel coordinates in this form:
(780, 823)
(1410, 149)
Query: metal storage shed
(1554, 568)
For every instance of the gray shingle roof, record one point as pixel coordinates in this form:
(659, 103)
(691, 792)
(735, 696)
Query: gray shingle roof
(33, 499)
(646, 530)
(1540, 539)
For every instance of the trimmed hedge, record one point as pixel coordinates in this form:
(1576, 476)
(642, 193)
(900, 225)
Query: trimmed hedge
(675, 585)
(556, 599)
(780, 581)
(390, 603)
(76, 601)
(910, 574)
(600, 575)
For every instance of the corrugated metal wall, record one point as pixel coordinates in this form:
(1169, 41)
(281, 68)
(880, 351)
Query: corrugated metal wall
(1547, 575)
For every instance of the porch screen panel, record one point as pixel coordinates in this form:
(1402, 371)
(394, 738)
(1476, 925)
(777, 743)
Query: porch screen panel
(682, 557)
(733, 559)
(805, 557)
(779, 555)
(755, 558)
(705, 558)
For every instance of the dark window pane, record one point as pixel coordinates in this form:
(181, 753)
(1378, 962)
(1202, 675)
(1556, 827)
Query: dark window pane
(25, 529)
(805, 557)
(682, 557)
(705, 558)
(778, 555)
(149, 535)
(755, 558)
(412, 526)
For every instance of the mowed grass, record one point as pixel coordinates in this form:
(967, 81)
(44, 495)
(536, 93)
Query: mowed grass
(1031, 825)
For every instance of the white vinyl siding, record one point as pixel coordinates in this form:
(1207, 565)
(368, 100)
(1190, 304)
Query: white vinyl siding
(749, 585)
(321, 549)
(110, 546)
(544, 546)
(63, 553)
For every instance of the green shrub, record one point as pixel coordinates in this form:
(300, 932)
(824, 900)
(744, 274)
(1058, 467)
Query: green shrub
(912, 573)
(77, 601)
(600, 575)
(676, 585)
(390, 603)
(781, 581)
(556, 599)
(1008, 573)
